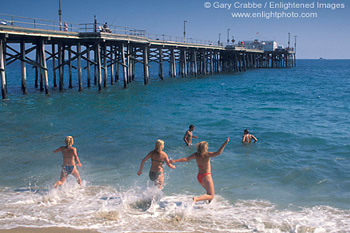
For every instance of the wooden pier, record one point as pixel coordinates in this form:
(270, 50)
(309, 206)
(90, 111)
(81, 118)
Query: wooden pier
(113, 57)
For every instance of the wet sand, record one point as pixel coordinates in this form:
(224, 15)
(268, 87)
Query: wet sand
(45, 230)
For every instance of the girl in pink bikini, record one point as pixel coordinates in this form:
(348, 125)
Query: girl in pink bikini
(202, 157)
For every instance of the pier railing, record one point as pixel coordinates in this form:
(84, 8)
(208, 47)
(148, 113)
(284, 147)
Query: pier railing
(38, 23)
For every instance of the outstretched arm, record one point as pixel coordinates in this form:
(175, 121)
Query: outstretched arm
(220, 150)
(168, 162)
(185, 159)
(58, 149)
(76, 157)
(143, 163)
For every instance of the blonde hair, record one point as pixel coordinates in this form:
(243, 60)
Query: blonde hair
(159, 145)
(202, 149)
(69, 140)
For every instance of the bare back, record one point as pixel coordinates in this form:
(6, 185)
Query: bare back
(158, 158)
(247, 138)
(203, 164)
(69, 154)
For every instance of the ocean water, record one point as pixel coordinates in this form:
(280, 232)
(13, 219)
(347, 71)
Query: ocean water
(295, 179)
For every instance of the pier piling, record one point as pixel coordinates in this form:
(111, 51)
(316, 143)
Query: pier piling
(80, 76)
(23, 68)
(2, 70)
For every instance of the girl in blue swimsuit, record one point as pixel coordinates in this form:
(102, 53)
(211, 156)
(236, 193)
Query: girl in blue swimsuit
(69, 157)
(158, 157)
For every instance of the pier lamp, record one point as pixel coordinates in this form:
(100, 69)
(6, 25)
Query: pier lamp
(60, 14)
(288, 40)
(228, 36)
(219, 39)
(185, 21)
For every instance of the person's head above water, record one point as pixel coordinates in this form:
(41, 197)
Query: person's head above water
(159, 145)
(191, 127)
(69, 140)
(202, 149)
(246, 131)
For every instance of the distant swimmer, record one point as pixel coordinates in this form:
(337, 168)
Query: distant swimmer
(158, 157)
(69, 157)
(247, 138)
(202, 157)
(189, 135)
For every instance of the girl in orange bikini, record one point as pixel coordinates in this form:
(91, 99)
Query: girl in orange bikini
(202, 157)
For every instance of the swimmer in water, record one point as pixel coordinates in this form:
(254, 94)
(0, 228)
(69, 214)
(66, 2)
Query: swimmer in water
(247, 138)
(202, 157)
(158, 157)
(69, 157)
(189, 135)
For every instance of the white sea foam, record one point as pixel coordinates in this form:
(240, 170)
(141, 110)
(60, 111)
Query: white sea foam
(148, 209)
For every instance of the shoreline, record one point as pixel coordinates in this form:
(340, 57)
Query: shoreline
(45, 229)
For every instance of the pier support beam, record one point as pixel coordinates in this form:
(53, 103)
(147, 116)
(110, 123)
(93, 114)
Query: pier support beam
(122, 52)
(104, 56)
(99, 75)
(2, 70)
(112, 65)
(36, 67)
(145, 65)
(23, 68)
(95, 66)
(44, 67)
(80, 75)
(211, 62)
(173, 64)
(185, 63)
(195, 68)
(181, 64)
(244, 55)
(60, 63)
(88, 66)
(70, 66)
(160, 72)
(41, 70)
(116, 64)
(54, 65)
(133, 63)
(204, 61)
(128, 63)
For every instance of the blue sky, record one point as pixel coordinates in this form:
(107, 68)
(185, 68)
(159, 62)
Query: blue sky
(325, 36)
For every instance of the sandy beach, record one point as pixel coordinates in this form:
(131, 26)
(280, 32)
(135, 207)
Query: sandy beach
(44, 230)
